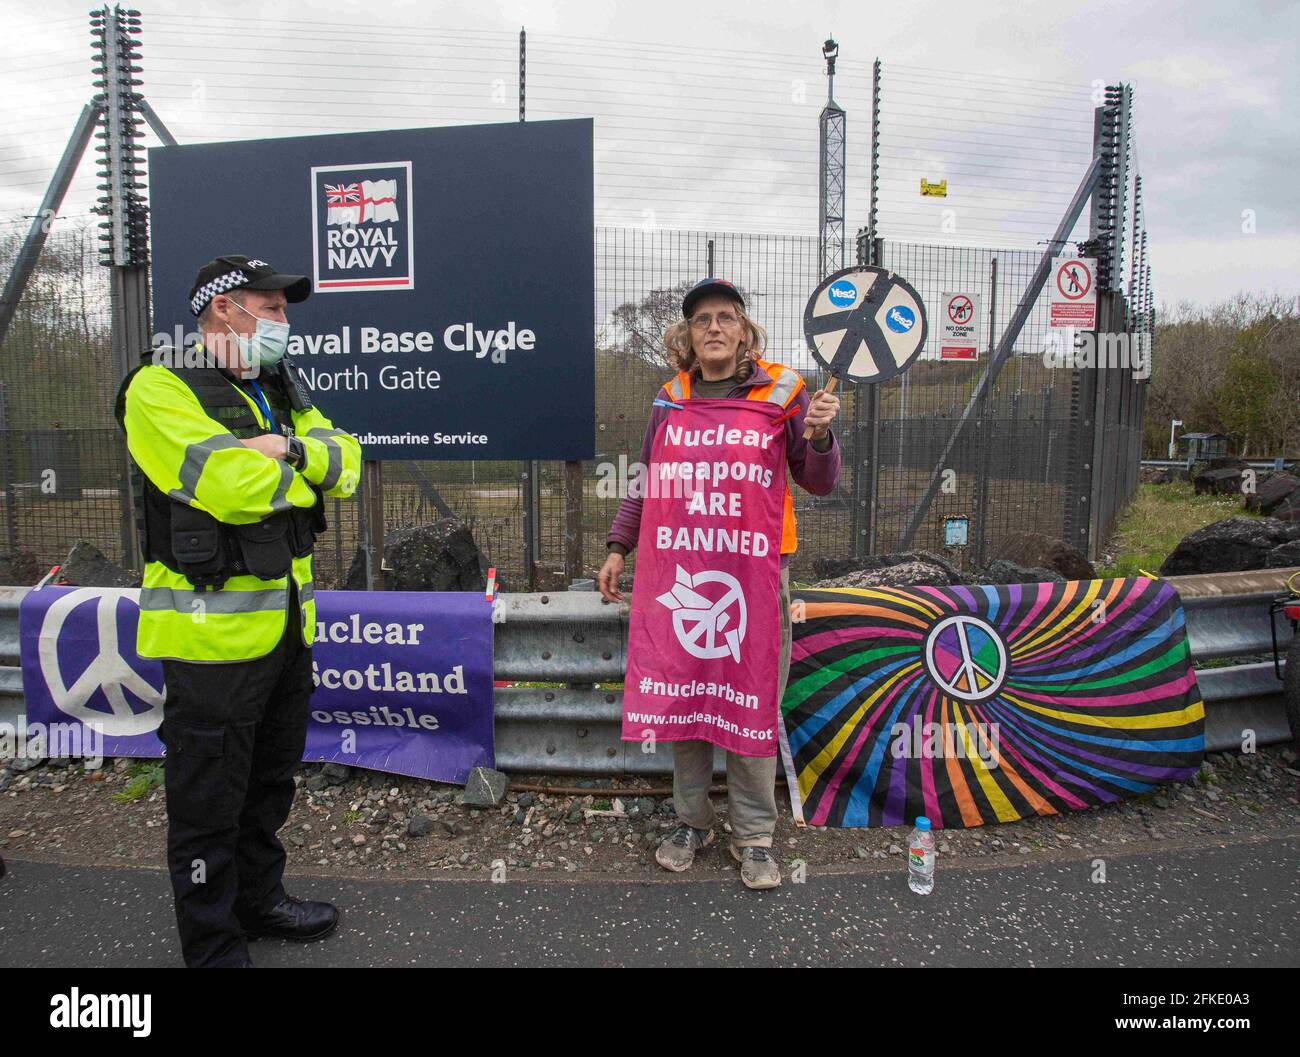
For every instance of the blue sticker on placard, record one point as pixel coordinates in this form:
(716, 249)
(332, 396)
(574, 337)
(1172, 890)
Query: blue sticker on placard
(900, 319)
(842, 294)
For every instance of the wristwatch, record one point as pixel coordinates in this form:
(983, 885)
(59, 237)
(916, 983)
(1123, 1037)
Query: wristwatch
(296, 456)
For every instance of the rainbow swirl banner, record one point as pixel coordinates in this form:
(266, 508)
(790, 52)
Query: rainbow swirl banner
(986, 704)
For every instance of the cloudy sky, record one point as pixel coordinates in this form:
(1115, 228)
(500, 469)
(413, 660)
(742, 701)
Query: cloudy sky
(710, 120)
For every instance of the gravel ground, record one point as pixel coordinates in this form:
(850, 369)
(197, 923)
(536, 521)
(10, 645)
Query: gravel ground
(363, 823)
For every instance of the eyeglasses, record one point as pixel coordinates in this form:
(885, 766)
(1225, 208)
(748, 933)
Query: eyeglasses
(704, 320)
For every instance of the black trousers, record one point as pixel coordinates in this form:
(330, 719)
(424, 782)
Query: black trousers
(234, 734)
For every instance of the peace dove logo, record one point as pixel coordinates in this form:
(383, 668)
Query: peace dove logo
(707, 627)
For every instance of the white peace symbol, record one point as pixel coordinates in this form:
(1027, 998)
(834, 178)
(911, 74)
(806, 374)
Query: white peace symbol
(968, 667)
(109, 670)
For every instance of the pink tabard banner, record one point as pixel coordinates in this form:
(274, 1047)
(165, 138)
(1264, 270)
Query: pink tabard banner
(704, 638)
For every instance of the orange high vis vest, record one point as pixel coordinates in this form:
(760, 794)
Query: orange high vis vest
(781, 390)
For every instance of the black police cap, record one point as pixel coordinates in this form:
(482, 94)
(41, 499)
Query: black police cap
(237, 272)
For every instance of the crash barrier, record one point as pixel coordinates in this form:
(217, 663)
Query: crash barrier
(579, 641)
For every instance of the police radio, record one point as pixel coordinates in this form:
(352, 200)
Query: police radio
(294, 385)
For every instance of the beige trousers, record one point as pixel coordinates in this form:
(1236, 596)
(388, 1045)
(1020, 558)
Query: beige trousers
(751, 780)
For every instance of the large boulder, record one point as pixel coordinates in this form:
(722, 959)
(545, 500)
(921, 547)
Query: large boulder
(441, 556)
(1233, 545)
(1289, 508)
(19, 568)
(1271, 491)
(86, 566)
(1033, 550)
(1000, 571)
(1225, 481)
(907, 569)
(1283, 556)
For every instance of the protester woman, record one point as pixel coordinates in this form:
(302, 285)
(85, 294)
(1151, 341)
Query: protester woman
(718, 350)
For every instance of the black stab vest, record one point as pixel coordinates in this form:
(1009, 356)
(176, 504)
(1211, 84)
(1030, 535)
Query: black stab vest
(192, 542)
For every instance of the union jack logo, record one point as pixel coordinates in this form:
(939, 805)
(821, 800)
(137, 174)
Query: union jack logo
(343, 194)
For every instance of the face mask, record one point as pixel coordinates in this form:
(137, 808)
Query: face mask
(266, 347)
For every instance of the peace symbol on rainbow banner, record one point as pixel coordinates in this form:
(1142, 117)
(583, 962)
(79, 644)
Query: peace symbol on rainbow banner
(987, 704)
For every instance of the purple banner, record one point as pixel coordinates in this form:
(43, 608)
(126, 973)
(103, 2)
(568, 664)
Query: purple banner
(403, 679)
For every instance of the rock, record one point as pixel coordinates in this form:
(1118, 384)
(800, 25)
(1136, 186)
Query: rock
(862, 852)
(485, 788)
(1271, 491)
(906, 569)
(24, 763)
(525, 800)
(20, 568)
(1154, 475)
(336, 773)
(441, 556)
(317, 782)
(1033, 550)
(1283, 556)
(1000, 571)
(1224, 481)
(894, 849)
(1289, 509)
(1232, 545)
(419, 826)
(86, 566)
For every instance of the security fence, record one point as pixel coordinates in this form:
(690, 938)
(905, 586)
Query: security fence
(1044, 448)
(64, 462)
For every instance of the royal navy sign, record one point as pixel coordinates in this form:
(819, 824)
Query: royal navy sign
(363, 234)
(452, 270)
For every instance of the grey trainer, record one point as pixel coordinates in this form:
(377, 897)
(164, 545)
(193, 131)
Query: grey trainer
(758, 867)
(676, 852)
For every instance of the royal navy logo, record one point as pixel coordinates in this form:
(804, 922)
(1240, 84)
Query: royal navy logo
(362, 229)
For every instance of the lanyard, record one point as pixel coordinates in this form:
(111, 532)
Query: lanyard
(265, 407)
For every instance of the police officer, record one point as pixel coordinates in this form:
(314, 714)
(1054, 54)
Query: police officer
(233, 463)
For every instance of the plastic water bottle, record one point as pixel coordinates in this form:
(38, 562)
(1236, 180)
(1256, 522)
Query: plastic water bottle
(920, 858)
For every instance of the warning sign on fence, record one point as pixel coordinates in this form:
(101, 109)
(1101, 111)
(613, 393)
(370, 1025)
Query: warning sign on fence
(1073, 293)
(959, 334)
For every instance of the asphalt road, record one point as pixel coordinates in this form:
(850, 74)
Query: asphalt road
(1225, 905)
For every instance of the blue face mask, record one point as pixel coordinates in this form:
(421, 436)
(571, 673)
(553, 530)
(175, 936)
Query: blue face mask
(268, 343)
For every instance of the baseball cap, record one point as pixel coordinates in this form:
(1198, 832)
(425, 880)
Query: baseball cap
(710, 286)
(235, 271)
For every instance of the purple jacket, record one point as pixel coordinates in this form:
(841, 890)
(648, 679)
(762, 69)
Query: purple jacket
(814, 471)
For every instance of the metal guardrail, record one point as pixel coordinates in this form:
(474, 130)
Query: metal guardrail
(578, 639)
(1183, 464)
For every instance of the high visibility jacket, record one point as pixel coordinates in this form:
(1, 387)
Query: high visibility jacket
(782, 390)
(193, 458)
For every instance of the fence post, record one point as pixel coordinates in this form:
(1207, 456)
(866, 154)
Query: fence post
(372, 522)
(573, 537)
(986, 432)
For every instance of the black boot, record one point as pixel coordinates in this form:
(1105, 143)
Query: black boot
(300, 920)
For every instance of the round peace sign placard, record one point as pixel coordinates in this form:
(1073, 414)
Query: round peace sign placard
(865, 324)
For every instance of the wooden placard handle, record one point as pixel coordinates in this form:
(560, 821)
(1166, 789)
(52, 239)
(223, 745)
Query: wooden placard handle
(830, 388)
